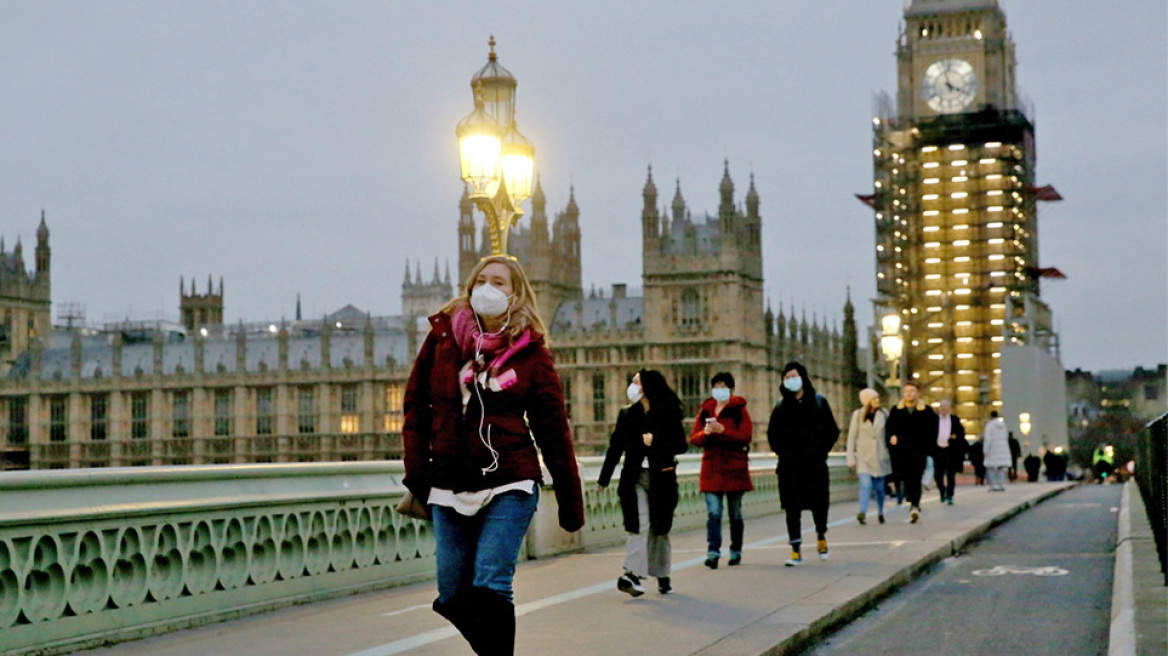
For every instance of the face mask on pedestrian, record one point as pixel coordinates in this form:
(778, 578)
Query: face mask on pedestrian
(634, 393)
(793, 384)
(721, 394)
(489, 301)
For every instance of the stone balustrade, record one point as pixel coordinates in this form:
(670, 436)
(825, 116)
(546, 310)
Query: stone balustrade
(95, 556)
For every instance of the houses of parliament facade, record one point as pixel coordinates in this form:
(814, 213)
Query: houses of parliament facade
(330, 388)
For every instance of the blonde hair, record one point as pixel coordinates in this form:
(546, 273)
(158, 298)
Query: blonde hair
(523, 310)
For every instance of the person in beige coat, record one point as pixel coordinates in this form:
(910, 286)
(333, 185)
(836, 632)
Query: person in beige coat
(867, 452)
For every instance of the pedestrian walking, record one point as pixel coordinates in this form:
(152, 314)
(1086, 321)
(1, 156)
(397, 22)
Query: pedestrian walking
(867, 452)
(977, 459)
(482, 395)
(649, 435)
(997, 452)
(1032, 464)
(724, 431)
(1015, 453)
(911, 430)
(801, 432)
(949, 450)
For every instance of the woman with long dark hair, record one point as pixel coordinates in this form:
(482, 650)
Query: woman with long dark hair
(482, 387)
(649, 434)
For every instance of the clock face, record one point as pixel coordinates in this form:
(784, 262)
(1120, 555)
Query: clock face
(949, 85)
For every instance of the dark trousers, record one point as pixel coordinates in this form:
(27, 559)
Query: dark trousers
(945, 468)
(795, 523)
(912, 470)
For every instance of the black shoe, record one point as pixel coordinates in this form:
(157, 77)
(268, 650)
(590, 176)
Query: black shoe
(735, 559)
(630, 584)
(663, 585)
(712, 562)
(881, 518)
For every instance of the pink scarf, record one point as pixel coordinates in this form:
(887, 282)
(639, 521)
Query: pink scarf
(468, 336)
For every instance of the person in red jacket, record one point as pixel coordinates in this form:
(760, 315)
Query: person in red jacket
(723, 429)
(482, 395)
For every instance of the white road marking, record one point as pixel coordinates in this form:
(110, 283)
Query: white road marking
(406, 610)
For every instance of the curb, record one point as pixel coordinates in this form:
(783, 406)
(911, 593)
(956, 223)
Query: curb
(858, 605)
(1122, 639)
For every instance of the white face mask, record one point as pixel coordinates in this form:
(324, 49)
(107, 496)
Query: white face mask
(720, 394)
(793, 384)
(489, 301)
(634, 393)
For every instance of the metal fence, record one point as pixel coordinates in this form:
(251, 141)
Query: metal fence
(1151, 472)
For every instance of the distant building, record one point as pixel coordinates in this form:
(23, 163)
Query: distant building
(158, 393)
(25, 298)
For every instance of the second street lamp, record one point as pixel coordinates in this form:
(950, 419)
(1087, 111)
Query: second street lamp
(498, 163)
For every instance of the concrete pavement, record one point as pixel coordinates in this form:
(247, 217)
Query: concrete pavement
(569, 605)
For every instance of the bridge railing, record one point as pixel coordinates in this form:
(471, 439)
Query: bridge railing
(1151, 474)
(89, 557)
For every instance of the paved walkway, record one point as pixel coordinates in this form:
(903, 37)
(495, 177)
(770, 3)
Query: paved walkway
(569, 605)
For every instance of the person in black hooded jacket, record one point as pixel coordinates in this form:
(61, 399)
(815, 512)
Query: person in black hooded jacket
(801, 432)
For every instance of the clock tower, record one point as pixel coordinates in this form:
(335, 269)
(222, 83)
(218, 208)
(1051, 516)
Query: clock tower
(955, 56)
(955, 204)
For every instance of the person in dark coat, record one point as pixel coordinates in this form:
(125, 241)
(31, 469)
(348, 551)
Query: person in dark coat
(801, 432)
(482, 396)
(1033, 465)
(977, 459)
(1015, 453)
(724, 430)
(649, 435)
(948, 451)
(911, 431)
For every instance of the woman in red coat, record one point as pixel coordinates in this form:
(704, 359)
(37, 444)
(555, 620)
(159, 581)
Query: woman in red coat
(723, 429)
(483, 394)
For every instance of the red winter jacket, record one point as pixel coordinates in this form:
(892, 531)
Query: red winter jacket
(443, 448)
(725, 465)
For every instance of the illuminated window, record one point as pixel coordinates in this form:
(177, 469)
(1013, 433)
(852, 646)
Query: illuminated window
(932, 212)
(986, 160)
(959, 162)
(350, 419)
(933, 165)
(933, 260)
(929, 197)
(931, 228)
(962, 258)
(958, 194)
(994, 192)
(931, 180)
(394, 397)
(993, 144)
(929, 149)
(957, 147)
(961, 242)
(994, 225)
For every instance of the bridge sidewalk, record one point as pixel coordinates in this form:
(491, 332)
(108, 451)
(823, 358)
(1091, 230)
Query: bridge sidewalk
(570, 605)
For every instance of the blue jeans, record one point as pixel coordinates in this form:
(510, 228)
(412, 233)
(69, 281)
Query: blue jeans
(714, 521)
(481, 550)
(868, 483)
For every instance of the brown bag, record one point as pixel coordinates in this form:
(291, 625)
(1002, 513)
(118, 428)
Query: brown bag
(411, 507)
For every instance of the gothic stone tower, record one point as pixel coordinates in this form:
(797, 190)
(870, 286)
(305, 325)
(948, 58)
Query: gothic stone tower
(954, 199)
(703, 303)
(25, 299)
(201, 310)
(420, 298)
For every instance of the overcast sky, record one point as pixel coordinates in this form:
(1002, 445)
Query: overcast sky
(307, 147)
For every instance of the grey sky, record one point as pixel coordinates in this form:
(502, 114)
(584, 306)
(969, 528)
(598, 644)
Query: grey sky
(309, 147)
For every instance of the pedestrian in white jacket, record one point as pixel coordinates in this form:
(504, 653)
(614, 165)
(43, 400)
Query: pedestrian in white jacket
(996, 441)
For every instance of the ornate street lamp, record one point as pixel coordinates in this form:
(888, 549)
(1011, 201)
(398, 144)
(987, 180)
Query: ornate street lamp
(498, 163)
(892, 345)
